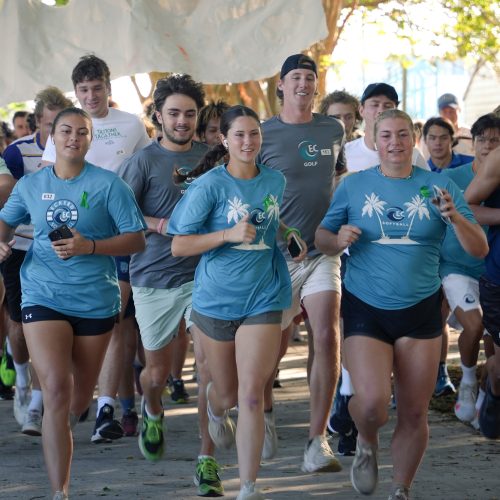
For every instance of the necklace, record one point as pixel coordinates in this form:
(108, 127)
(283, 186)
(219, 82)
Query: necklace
(379, 168)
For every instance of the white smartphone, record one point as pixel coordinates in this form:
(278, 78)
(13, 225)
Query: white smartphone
(439, 197)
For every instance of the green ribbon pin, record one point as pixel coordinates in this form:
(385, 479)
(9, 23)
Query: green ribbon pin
(425, 192)
(84, 201)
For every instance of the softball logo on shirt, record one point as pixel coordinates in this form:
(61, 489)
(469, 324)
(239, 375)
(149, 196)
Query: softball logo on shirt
(375, 207)
(261, 218)
(62, 212)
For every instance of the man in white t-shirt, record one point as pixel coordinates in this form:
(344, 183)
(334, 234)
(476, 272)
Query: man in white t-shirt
(361, 153)
(116, 135)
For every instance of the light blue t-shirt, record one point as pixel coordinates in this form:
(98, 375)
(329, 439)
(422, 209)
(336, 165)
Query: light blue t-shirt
(395, 262)
(454, 259)
(99, 205)
(236, 280)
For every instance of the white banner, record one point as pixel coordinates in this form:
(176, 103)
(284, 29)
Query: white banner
(215, 41)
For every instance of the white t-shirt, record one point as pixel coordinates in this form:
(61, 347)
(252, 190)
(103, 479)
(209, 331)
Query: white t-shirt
(115, 138)
(360, 157)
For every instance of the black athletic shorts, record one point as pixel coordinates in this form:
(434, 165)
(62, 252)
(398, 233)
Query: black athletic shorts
(489, 296)
(11, 269)
(421, 321)
(81, 326)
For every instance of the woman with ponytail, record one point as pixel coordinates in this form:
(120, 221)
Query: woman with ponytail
(230, 215)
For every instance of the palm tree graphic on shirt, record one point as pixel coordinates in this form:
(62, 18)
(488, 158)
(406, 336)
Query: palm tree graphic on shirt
(416, 207)
(238, 209)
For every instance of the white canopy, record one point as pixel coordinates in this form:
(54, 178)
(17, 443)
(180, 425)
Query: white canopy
(215, 41)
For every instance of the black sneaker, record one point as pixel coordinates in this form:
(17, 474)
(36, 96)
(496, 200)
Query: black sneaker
(340, 420)
(106, 427)
(178, 392)
(347, 442)
(489, 414)
(6, 392)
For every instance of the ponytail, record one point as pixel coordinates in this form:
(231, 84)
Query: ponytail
(209, 161)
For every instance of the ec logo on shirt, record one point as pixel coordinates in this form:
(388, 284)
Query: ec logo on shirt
(309, 152)
(62, 212)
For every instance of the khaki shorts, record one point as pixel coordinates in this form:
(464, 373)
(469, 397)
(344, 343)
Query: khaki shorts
(159, 313)
(319, 274)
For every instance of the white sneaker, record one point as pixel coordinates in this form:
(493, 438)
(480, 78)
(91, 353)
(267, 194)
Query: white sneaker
(60, 495)
(465, 407)
(270, 436)
(223, 431)
(33, 423)
(318, 457)
(248, 492)
(364, 469)
(22, 398)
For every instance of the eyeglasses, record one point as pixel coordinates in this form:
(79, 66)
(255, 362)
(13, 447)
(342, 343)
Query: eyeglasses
(494, 141)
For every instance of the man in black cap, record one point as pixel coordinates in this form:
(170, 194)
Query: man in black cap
(361, 153)
(449, 109)
(308, 149)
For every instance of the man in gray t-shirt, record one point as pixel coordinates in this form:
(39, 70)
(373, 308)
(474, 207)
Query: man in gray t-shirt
(162, 284)
(308, 149)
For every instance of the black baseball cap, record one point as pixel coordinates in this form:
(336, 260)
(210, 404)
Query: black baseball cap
(380, 89)
(448, 101)
(297, 61)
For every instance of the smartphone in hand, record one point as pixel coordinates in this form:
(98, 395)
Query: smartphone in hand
(294, 246)
(440, 201)
(60, 233)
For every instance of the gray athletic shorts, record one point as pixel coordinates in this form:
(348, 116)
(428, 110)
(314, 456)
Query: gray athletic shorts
(225, 331)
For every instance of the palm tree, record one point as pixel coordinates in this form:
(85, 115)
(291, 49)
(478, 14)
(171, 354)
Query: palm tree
(416, 206)
(237, 211)
(374, 204)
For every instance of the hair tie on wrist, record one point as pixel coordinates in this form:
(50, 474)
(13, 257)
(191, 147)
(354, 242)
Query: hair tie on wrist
(159, 227)
(291, 230)
(93, 247)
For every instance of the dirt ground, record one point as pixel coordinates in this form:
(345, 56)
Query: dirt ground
(459, 463)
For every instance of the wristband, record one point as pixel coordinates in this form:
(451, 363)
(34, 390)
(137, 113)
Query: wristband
(291, 230)
(159, 227)
(93, 247)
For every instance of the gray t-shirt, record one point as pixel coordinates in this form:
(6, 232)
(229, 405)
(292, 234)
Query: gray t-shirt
(149, 173)
(308, 154)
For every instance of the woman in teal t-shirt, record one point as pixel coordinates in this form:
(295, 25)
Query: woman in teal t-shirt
(82, 215)
(231, 216)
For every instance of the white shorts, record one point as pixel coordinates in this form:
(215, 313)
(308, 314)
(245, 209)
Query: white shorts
(461, 291)
(159, 313)
(319, 274)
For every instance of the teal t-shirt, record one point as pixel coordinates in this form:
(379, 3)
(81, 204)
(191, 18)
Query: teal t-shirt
(236, 280)
(99, 205)
(454, 259)
(395, 262)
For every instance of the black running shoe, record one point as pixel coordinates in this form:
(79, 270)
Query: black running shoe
(178, 392)
(106, 427)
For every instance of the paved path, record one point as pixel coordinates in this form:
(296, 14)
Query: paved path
(459, 463)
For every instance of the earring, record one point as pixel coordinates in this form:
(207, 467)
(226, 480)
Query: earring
(225, 143)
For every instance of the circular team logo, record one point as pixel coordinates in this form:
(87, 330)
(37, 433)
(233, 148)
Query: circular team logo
(469, 299)
(396, 214)
(62, 212)
(308, 150)
(257, 216)
(188, 181)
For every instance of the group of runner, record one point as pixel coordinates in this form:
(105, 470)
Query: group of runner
(269, 208)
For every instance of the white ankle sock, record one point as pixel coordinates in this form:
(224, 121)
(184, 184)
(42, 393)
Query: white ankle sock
(346, 388)
(104, 400)
(22, 374)
(468, 374)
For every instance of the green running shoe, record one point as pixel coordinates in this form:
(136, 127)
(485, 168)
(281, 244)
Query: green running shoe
(151, 442)
(207, 478)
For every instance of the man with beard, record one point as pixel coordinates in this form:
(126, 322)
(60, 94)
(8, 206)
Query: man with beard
(162, 284)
